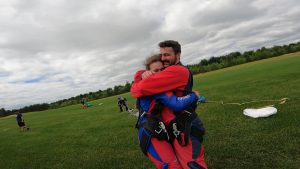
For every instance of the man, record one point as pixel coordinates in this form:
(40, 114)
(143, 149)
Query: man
(122, 102)
(83, 103)
(186, 126)
(21, 122)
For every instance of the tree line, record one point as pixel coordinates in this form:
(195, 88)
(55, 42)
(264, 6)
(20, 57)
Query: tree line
(236, 58)
(205, 65)
(116, 90)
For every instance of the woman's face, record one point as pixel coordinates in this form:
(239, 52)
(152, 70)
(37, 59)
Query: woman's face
(156, 66)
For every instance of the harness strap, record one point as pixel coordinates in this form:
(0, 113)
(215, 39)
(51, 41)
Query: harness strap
(183, 124)
(198, 134)
(140, 112)
(155, 127)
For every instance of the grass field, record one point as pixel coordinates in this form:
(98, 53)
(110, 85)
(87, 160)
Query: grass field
(102, 137)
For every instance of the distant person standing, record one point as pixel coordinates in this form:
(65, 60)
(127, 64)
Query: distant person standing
(21, 122)
(122, 102)
(83, 101)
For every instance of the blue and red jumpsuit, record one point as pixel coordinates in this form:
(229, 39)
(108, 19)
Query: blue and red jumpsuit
(161, 152)
(175, 79)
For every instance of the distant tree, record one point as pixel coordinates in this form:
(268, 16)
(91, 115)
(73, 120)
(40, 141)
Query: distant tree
(2, 112)
(203, 62)
(99, 94)
(239, 60)
(213, 60)
(127, 87)
(117, 89)
(279, 50)
(248, 55)
(109, 92)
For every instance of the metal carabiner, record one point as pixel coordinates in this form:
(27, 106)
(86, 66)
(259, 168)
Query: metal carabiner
(175, 131)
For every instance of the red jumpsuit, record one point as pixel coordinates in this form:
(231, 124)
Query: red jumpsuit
(173, 78)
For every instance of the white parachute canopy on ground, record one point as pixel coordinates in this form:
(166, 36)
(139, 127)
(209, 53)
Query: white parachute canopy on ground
(260, 112)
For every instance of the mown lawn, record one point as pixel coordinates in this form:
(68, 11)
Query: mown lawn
(102, 137)
(236, 141)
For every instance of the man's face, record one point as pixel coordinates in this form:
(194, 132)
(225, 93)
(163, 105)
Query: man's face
(168, 56)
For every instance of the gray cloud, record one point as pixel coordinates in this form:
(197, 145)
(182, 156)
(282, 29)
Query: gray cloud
(52, 50)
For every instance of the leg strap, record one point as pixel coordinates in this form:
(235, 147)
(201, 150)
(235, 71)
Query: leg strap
(194, 165)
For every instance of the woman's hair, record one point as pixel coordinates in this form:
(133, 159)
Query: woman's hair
(152, 59)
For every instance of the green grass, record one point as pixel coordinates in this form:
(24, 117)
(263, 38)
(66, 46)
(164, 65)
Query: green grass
(102, 137)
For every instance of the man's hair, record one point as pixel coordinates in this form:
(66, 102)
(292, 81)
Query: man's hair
(171, 43)
(152, 59)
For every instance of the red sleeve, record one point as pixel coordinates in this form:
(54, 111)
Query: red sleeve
(173, 77)
(138, 76)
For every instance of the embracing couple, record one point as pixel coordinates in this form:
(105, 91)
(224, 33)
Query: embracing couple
(170, 132)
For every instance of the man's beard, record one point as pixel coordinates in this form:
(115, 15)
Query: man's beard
(167, 63)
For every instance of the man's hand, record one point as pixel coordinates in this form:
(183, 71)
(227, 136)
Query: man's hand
(197, 93)
(201, 99)
(147, 74)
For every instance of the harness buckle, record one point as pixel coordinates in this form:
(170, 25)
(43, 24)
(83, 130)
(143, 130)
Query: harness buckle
(176, 132)
(162, 127)
(143, 114)
(187, 112)
(159, 130)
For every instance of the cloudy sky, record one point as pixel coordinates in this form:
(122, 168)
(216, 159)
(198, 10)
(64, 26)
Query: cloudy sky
(56, 49)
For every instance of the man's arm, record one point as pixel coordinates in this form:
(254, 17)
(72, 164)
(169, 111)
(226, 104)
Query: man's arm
(177, 104)
(138, 76)
(173, 77)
